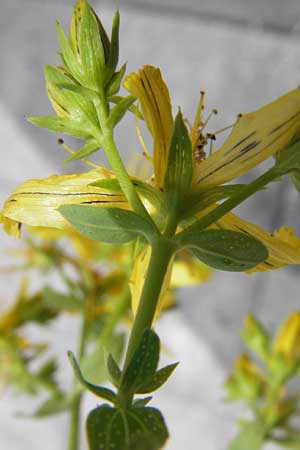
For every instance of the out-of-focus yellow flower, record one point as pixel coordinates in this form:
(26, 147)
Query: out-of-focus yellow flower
(287, 341)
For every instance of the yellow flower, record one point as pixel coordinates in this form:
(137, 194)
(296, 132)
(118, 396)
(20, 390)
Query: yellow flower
(255, 137)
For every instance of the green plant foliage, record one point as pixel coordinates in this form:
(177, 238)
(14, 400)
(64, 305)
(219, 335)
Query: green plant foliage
(137, 428)
(224, 249)
(179, 171)
(111, 225)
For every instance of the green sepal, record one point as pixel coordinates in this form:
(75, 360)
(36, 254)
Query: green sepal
(158, 379)
(119, 110)
(113, 371)
(143, 365)
(99, 391)
(224, 249)
(114, 44)
(77, 105)
(103, 35)
(110, 225)
(115, 82)
(91, 50)
(179, 170)
(130, 429)
(88, 149)
(68, 55)
(61, 125)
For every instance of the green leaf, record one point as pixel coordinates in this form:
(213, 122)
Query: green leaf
(143, 364)
(103, 35)
(99, 391)
(141, 402)
(48, 371)
(114, 44)
(54, 405)
(199, 201)
(111, 225)
(88, 149)
(68, 55)
(288, 159)
(179, 170)
(119, 110)
(115, 82)
(132, 429)
(61, 302)
(224, 249)
(84, 92)
(295, 178)
(91, 49)
(62, 125)
(154, 196)
(114, 370)
(133, 108)
(160, 377)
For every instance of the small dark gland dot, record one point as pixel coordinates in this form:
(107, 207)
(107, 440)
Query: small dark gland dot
(60, 141)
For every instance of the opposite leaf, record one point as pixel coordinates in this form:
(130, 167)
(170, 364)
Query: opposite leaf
(224, 249)
(130, 429)
(111, 225)
(99, 391)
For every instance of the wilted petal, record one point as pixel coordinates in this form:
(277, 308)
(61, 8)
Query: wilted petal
(283, 245)
(150, 89)
(35, 202)
(255, 137)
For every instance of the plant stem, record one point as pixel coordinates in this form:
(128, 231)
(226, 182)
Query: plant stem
(109, 146)
(74, 427)
(235, 200)
(162, 251)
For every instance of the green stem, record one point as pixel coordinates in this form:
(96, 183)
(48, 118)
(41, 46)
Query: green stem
(74, 427)
(109, 146)
(235, 200)
(162, 251)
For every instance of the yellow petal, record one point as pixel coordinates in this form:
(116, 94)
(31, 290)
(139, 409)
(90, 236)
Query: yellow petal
(150, 89)
(283, 246)
(287, 341)
(35, 202)
(137, 281)
(255, 137)
(188, 271)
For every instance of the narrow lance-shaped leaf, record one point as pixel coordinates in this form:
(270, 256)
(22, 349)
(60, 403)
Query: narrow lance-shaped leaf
(62, 125)
(114, 370)
(119, 110)
(99, 391)
(224, 249)
(111, 225)
(158, 379)
(178, 176)
(88, 149)
(143, 364)
(115, 82)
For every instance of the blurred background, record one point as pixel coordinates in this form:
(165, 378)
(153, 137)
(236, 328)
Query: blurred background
(243, 54)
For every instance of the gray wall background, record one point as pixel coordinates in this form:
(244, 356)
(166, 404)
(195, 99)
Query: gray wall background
(243, 54)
